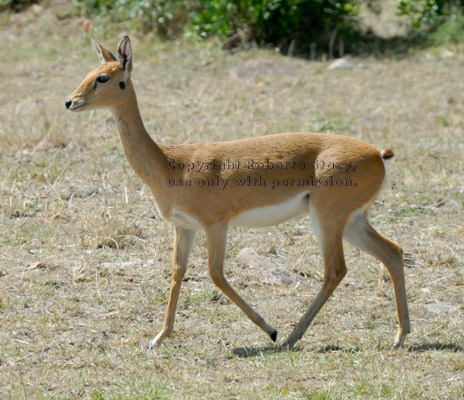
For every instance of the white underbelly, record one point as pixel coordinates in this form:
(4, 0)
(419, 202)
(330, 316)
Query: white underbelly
(184, 220)
(256, 217)
(275, 214)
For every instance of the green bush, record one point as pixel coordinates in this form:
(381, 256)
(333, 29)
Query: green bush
(428, 12)
(438, 21)
(450, 30)
(165, 17)
(16, 5)
(303, 26)
(276, 22)
(283, 23)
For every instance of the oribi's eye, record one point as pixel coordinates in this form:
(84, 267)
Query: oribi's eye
(122, 85)
(103, 78)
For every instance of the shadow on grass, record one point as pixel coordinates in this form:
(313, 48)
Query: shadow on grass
(331, 348)
(245, 352)
(356, 43)
(421, 347)
(417, 347)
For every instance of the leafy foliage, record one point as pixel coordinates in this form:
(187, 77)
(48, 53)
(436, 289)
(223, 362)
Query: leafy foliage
(302, 25)
(441, 20)
(427, 12)
(276, 21)
(166, 17)
(16, 5)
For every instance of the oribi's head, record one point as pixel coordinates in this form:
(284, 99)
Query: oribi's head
(105, 86)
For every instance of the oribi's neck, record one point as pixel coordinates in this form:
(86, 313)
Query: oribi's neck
(143, 154)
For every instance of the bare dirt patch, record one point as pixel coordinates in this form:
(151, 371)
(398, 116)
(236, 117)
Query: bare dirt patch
(78, 325)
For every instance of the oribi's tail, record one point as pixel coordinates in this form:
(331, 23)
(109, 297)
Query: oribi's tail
(386, 154)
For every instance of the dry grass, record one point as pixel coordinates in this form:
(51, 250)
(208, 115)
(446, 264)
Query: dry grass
(77, 325)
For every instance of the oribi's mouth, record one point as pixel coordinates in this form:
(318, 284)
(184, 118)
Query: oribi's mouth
(72, 106)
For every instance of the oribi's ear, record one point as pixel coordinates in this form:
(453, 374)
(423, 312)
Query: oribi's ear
(104, 54)
(125, 54)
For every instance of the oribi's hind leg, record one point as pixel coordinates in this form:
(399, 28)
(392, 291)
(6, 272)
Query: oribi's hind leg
(363, 236)
(329, 229)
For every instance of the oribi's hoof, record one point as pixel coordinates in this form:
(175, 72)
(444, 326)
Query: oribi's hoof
(273, 335)
(154, 344)
(285, 347)
(399, 341)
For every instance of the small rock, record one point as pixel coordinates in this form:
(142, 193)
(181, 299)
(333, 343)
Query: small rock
(36, 265)
(340, 63)
(37, 10)
(270, 274)
(248, 256)
(444, 53)
(282, 277)
(260, 68)
(441, 308)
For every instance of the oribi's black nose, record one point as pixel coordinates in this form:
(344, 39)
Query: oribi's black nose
(68, 103)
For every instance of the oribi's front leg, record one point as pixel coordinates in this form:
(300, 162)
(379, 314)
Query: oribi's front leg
(216, 238)
(183, 243)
